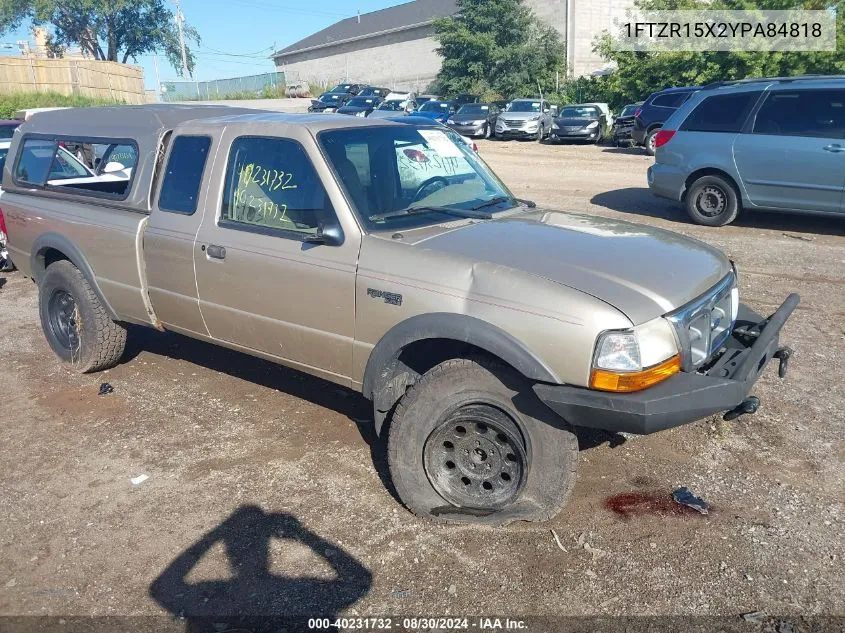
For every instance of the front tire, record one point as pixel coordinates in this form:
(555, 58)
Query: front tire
(74, 321)
(470, 442)
(712, 201)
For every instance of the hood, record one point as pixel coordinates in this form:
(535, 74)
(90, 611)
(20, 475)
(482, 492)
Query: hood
(575, 121)
(351, 108)
(467, 117)
(519, 116)
(387, 114)
(643, 272)
(436, 116)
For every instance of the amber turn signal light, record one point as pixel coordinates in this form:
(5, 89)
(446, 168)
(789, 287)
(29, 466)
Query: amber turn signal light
(604, 380)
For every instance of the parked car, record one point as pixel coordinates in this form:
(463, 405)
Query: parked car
(389, 108)
(421, 99)
(650, 116)
(584, 122)
(525, 118)
(774, 144)
(371, 91)
(486, 329)
(359, 106)
(350, 89)
(463, 99)
(329, 102)
(605, 108)
(474, 119)
(624, 124)
(437, 110)
(7, 128)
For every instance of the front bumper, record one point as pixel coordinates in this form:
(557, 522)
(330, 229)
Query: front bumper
(468, 130)
(579, 135)
(638, 135)
(685, 397)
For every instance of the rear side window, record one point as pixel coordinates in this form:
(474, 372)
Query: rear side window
(721, 113)
(812, 113)
(183, 177)
(75, 166)
(670, 100)
(271, 186)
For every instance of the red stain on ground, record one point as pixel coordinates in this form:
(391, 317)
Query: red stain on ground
(633, 504)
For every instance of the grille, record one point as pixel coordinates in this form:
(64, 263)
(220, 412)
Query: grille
(512, 123)
(705, 325)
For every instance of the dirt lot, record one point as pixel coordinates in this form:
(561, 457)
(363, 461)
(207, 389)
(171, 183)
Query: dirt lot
(268, 494)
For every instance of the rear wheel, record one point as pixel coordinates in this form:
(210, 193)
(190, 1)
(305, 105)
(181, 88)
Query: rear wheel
(650, 142)
(74, 321)
(461, 449)
(712, 201)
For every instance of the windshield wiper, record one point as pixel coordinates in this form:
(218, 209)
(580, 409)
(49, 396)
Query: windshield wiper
(500, 199)
(471, 214)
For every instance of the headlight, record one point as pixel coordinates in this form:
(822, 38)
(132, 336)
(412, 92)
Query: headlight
(633, 360)
(536, 118)
(478, 122)
(555, 126)
(450, 122)
(593, 125)
(362, 113)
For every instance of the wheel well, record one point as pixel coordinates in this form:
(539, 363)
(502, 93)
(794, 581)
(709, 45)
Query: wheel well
(710, 171)
(652, 127)
(46, 257)
(414, 360)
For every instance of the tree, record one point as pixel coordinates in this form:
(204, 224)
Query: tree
(641, 73)
(497, 48)
(112, 30)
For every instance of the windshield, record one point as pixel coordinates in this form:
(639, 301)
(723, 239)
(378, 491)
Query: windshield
(7, 131)
(363, 102)
(329, 98)
(629, 110)
(341, 88)
(474, 108)
(391, 170)
(524, 106)
(435, 106)
(580, 112)
(392, 105)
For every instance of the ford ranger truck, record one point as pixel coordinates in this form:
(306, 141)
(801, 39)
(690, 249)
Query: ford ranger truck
(387, 258)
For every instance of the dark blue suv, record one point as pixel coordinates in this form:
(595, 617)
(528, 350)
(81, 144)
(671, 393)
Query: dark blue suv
(652, 114)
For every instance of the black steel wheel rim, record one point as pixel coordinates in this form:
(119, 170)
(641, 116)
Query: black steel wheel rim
(476, 457)
(63, 317)
(711, 201)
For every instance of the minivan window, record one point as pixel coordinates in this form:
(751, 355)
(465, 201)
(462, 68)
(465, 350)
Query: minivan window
(721, 113)
(183, 177)
(272, 185)
(813, 113)
(670, 100)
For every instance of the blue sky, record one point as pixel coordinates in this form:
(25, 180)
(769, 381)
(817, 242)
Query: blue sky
(238, 35)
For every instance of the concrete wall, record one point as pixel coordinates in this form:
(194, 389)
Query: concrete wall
(404, 60)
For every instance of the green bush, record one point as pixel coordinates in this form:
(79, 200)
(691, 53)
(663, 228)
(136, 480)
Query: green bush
(14, 101)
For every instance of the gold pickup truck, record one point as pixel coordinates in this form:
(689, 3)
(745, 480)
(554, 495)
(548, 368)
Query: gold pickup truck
(387, 257)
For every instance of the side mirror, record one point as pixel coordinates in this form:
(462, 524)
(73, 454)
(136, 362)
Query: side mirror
(328, 236)
(112, 167)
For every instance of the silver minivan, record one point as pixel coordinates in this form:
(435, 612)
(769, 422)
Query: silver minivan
(774, 144)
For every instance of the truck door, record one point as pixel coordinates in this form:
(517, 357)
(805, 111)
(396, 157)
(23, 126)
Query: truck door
(171, 233)
(265, 281)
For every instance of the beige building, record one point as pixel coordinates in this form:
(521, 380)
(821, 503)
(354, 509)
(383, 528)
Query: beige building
(395, 47)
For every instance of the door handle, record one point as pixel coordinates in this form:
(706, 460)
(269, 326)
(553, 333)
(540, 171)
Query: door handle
(835, 148)
(216, 252)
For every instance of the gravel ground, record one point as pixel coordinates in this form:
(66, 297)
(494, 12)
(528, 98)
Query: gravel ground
(268, 495)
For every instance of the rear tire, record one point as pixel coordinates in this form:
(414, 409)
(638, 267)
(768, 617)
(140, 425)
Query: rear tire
(650, 142)
(470, 442)
(74, 321)
(712, 201)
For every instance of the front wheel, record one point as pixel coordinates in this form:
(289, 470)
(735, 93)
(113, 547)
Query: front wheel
(488, 132)
(540, 135)
(74, 321)
(712, 201)
(470, 442)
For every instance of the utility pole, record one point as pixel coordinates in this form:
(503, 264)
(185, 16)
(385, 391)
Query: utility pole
(180, 19)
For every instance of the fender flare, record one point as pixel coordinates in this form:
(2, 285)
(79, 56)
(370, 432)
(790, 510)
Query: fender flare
(74, 255)
(456, 327)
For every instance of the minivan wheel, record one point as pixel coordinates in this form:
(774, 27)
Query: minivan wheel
(712, 201)
(650, 142)
(470, 442)
(74, 321)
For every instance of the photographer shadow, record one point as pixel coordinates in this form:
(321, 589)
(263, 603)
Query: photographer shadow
(255, 600)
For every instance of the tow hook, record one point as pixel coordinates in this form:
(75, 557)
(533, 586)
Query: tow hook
(783, 355)
(748, 406)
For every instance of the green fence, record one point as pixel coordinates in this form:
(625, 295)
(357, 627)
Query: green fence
(252, 86)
